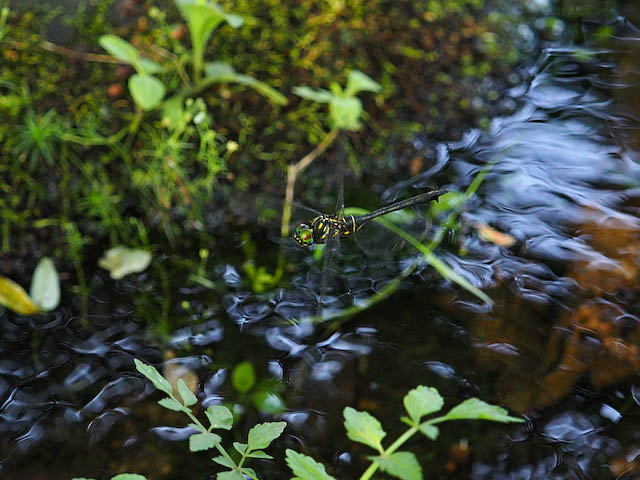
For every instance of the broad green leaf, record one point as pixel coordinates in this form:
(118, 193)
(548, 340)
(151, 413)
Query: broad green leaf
(171, 404)
(240, 447)
(172, 112)
(45, 285)
(320, 95)
(150, 372)
(403, 465)
(474, 408)
(422, 401)
(186, 394)
(221, 72)
(359, 82)
(230, 476)
(129, 476)
(269, 402)
(147, 91)
(219, 417)
(260, 454)
(243, 377)
(15, 298)
(121, 49)
(345, 112)
(149, 66)
(430, 431)
(224, 461)
(305, 467)
(203, 441)
(121, 261)
(363, 428)
(261, 435)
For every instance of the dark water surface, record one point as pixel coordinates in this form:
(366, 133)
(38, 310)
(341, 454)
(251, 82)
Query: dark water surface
(560, 346)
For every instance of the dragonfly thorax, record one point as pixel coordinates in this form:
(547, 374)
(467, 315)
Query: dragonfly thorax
(323, 229)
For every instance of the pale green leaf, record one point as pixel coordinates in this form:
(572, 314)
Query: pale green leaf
(430, 431)
(219, 417)
(121, 261)
(170, 404)
(129, 476)
(450, 201)
(147, 91)
(233, 475)
(240, 447)
(121, 49)
(186, 394)
(345, 112)
(476, 409)
(305, 467)
(203, 441)
(262, 434)
(15, 298)
(403, 465)
(422, 401)
(45, 285)
(269, 402)
(172, 112)
(359, 82)
(260, 454)
(224, 461)
(82, 478)
(320, 95)
(149, 66)
(363, 428)
(150, 372)
(243, 377)
(221, 72)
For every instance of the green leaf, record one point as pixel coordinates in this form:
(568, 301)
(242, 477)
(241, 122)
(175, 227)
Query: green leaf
(147, 91)
(82, 478)
(260, 454)
(430, 431)
(154, 376)
(268, 402)
(15, 298)
(171, 404)
(320, 96)
(250, 472)
(230, 476)
(422, 401)
(447, 202)
(305, 467)
(243, 377)
(476, 409)
(345, 112)
(187, 395)
(121, 49)
(363, 428)
(203, 441)
(219, 417)
(403, 465)
(129, 476)
(149, 66)
(45, 285)
(261, 435)
(172, 112)
(240, 447)
(224, 461)
(359, 82)
(121, 261)
(221, 72)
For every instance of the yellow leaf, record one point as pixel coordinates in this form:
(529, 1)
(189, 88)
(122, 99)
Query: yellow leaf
(489, 234)
(15, 298)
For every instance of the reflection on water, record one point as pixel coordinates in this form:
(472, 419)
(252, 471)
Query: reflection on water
(561, 344)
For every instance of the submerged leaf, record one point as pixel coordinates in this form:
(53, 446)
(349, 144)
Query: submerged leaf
(243, 377)
(45, 285)
(15, 298)
(121, 49)
(147, 91)
(359, 82)
(121, 261)
(217, 72)
(320, 96)
(490, 234)
(345, 112)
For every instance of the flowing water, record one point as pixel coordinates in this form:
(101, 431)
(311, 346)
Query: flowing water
(559, 346)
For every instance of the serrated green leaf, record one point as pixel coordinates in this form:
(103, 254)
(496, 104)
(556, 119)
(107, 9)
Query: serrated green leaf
(203, 441)
(422, 401)
(150, 372)
(224, 461)
(129, 476)
(240, 447)
(170, 404)
(305, 467)
(403, 465)
(474, 408)
(319, 95)
(260, 454)
(345, 112)
(121, 49)
(15, 298)
(45, 286)
(219, 417)
(147, 91)
(430, 431)
(121, 261)
(363, 428)
(186, 394)
(262, 434)
(359, 82)
(230, 476)
(243, 377)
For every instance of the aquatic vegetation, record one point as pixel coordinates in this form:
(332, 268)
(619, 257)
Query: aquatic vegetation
(44, 294)
(121, 261)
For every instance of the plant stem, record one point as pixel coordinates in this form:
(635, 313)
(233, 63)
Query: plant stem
(368, 473)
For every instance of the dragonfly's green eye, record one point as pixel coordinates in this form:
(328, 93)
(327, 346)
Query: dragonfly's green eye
(303, 235)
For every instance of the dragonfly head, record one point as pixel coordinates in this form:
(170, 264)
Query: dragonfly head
(303, 235)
